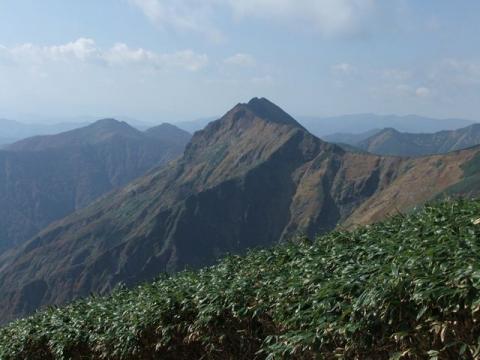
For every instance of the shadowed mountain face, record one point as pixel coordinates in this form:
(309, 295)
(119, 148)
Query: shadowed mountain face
(253, 178)
(393, 142)
(44, 178)
(169, 135)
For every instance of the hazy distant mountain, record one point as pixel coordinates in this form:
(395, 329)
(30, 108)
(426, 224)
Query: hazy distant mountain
(5, 141)
(250, 179)
(169, 134)
(393, 142)
(44, 178)
(348, 138)
(361, 123)
(12, 130)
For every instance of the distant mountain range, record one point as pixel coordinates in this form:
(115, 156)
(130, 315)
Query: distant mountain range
(357, 125)
(392, 142)
(11, 130)
(349, 138)
(253, 178)
(362, 123)
(44, 178)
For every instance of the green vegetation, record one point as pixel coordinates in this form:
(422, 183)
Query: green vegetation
(407, 288)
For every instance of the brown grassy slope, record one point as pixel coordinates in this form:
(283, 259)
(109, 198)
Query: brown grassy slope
(419, 180)
(253, 178)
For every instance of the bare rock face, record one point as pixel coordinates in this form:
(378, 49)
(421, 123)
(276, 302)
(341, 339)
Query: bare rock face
(250, 179)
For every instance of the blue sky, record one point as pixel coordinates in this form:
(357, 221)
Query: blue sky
(173, 60)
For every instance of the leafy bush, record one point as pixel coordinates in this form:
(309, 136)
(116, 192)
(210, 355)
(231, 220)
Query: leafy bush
(406, 288)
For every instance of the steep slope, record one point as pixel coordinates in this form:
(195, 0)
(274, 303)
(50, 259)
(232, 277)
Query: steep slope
(253, 178)
(44, 178)
(392, 142)
(406, 286)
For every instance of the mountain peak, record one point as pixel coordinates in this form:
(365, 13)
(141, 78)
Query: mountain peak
(390, 130)
(169, 134)
(267, 110)
(109, 123)
(96, 132)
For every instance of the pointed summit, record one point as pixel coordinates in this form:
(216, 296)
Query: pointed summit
(255, 113)
(267, 110)
(258, 126)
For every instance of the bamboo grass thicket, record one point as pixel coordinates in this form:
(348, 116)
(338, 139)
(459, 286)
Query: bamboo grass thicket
(406, 288)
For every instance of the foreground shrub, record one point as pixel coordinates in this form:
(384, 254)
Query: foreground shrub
(406, 288)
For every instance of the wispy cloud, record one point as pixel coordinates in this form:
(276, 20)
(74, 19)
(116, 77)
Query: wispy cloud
(240, 59)
(85, 50)
(343, 68)
(181, 15)
(81, 49)
(422, 92)
(327, 17)
(456, 71)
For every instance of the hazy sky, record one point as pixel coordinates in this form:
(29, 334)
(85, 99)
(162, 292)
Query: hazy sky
(170, 60)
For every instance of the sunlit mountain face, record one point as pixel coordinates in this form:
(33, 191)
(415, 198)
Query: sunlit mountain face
(239, 179)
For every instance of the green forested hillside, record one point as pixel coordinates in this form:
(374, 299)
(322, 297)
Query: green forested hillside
(407, 288)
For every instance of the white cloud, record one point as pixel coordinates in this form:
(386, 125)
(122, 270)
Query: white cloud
(186, 59)
(343, 68)
(329, 17)
(456, 71)
(396, 74)
(422, 92)
(81, 49)
(86, 50)
(240, 59)
(121, 54)
(182, 15)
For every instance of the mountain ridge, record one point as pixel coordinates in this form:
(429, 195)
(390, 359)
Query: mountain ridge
(390, 141)
(44, 178)
(244, 181)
